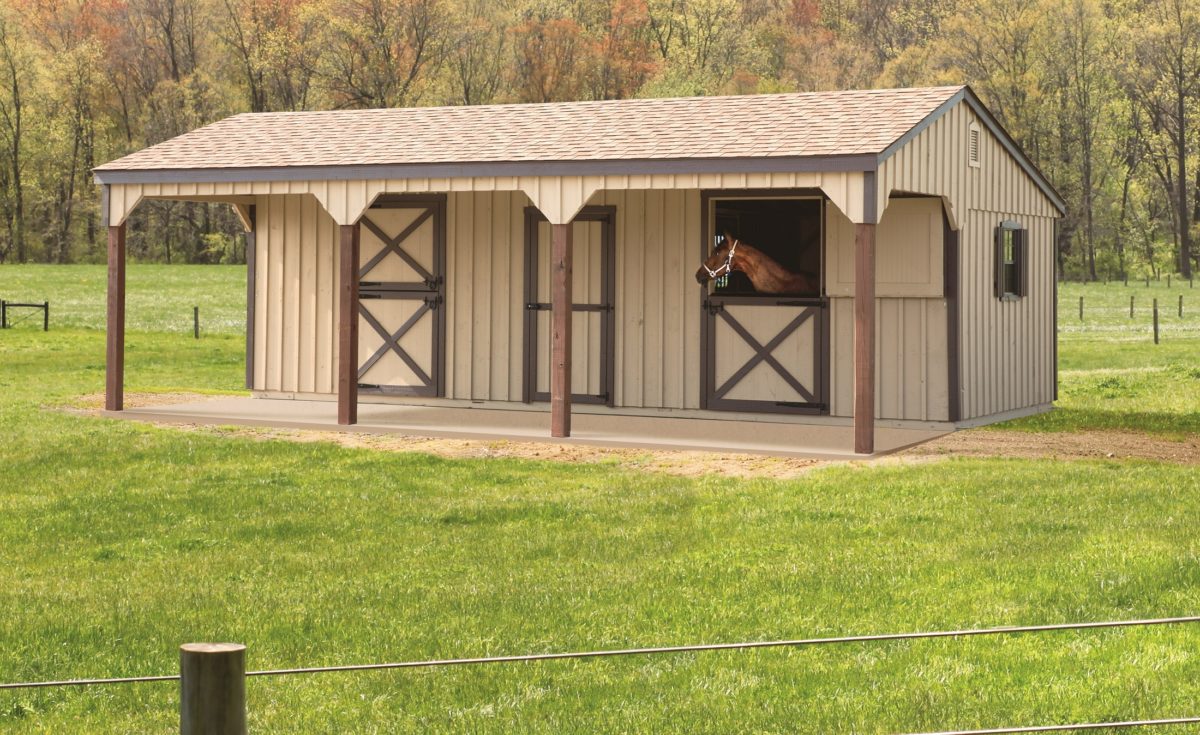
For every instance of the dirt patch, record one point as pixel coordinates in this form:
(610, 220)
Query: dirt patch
(1060, 445)
(969, 443)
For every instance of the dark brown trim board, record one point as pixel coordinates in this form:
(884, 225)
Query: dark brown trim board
(606, 215)
(864, 339)
(251, 258)
(560, 330)
(950, 290)
(1054, 305)
(114, 365)
(347, 379)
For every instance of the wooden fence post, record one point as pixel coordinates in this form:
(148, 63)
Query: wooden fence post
(1168, 280)
(3, 314)
(212, 689)
(1130, 307)
(196, 322)
(46, 316)
(1080, 308)
(1180, 306)
(1156, 321)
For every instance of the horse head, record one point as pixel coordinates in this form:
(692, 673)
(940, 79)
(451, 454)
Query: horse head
(721, 262)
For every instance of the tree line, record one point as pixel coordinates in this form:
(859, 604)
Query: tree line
(1103, 94)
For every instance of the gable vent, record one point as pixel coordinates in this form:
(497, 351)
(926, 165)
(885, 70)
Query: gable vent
(973, 146)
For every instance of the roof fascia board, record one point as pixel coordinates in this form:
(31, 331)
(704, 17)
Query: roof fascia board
(782, 164)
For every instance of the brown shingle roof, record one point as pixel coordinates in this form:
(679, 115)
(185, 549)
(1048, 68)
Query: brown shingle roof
(755, 126)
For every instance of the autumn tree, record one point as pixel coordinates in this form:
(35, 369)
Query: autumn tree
(1166, 81)
(377, 53)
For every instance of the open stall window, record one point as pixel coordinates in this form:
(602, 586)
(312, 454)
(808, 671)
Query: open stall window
(785, 235)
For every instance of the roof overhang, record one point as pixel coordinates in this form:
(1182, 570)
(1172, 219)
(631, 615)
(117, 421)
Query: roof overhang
(631, 167)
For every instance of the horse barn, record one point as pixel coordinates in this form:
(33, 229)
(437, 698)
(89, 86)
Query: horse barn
(836, 265)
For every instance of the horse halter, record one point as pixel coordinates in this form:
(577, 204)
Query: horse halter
(727, 266)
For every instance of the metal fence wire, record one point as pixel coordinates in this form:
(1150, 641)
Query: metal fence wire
(645, 651)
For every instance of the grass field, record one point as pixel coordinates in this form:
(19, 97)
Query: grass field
(123, 540)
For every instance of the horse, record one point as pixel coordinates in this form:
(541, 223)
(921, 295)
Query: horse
(767, 275)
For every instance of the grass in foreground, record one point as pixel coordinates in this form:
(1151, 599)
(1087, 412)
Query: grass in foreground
(123, 540)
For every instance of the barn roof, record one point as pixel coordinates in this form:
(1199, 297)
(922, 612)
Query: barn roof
(814, 131)
(747, 126)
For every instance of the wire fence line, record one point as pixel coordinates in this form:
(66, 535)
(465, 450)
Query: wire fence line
(557, 656)
(1123, 725)
(212, 697)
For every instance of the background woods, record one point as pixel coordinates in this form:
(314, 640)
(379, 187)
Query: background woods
(1104, 95)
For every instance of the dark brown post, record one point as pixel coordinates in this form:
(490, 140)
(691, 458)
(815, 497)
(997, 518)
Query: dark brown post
(212, 689)
(1080, 308)
(864, 339)
(348, 326)
(1130, 307)
(560, 328)
(114, 376)
(1156, 321)
(251, 256)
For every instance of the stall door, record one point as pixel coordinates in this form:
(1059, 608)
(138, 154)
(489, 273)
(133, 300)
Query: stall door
(592, 288)
(402, 297)
(766, 354)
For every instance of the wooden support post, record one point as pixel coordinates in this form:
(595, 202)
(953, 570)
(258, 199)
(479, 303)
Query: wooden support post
(46, 316)
(212, 689)
(1080, 308)
(1130, 307)
(1156, 321)
(348, 325)
(560, 328)
(196, 322)
(1180, 306)
(864, 339)
(251, 256)
(114, 366)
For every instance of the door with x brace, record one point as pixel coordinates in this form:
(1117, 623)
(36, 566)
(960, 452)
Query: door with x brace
(401, 291)
(766, 354)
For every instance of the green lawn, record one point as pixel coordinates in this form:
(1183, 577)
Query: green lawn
(1112, 375)
(123, 540)
(159, 298)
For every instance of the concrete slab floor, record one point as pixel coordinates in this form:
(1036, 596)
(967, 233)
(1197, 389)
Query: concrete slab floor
(775, 438)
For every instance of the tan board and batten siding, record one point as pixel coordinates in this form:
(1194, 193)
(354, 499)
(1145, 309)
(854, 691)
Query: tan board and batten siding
(1006, 347)
(657, 356)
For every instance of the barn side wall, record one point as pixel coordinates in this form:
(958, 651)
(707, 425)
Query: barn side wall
(1006, 347)
(658, 308)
